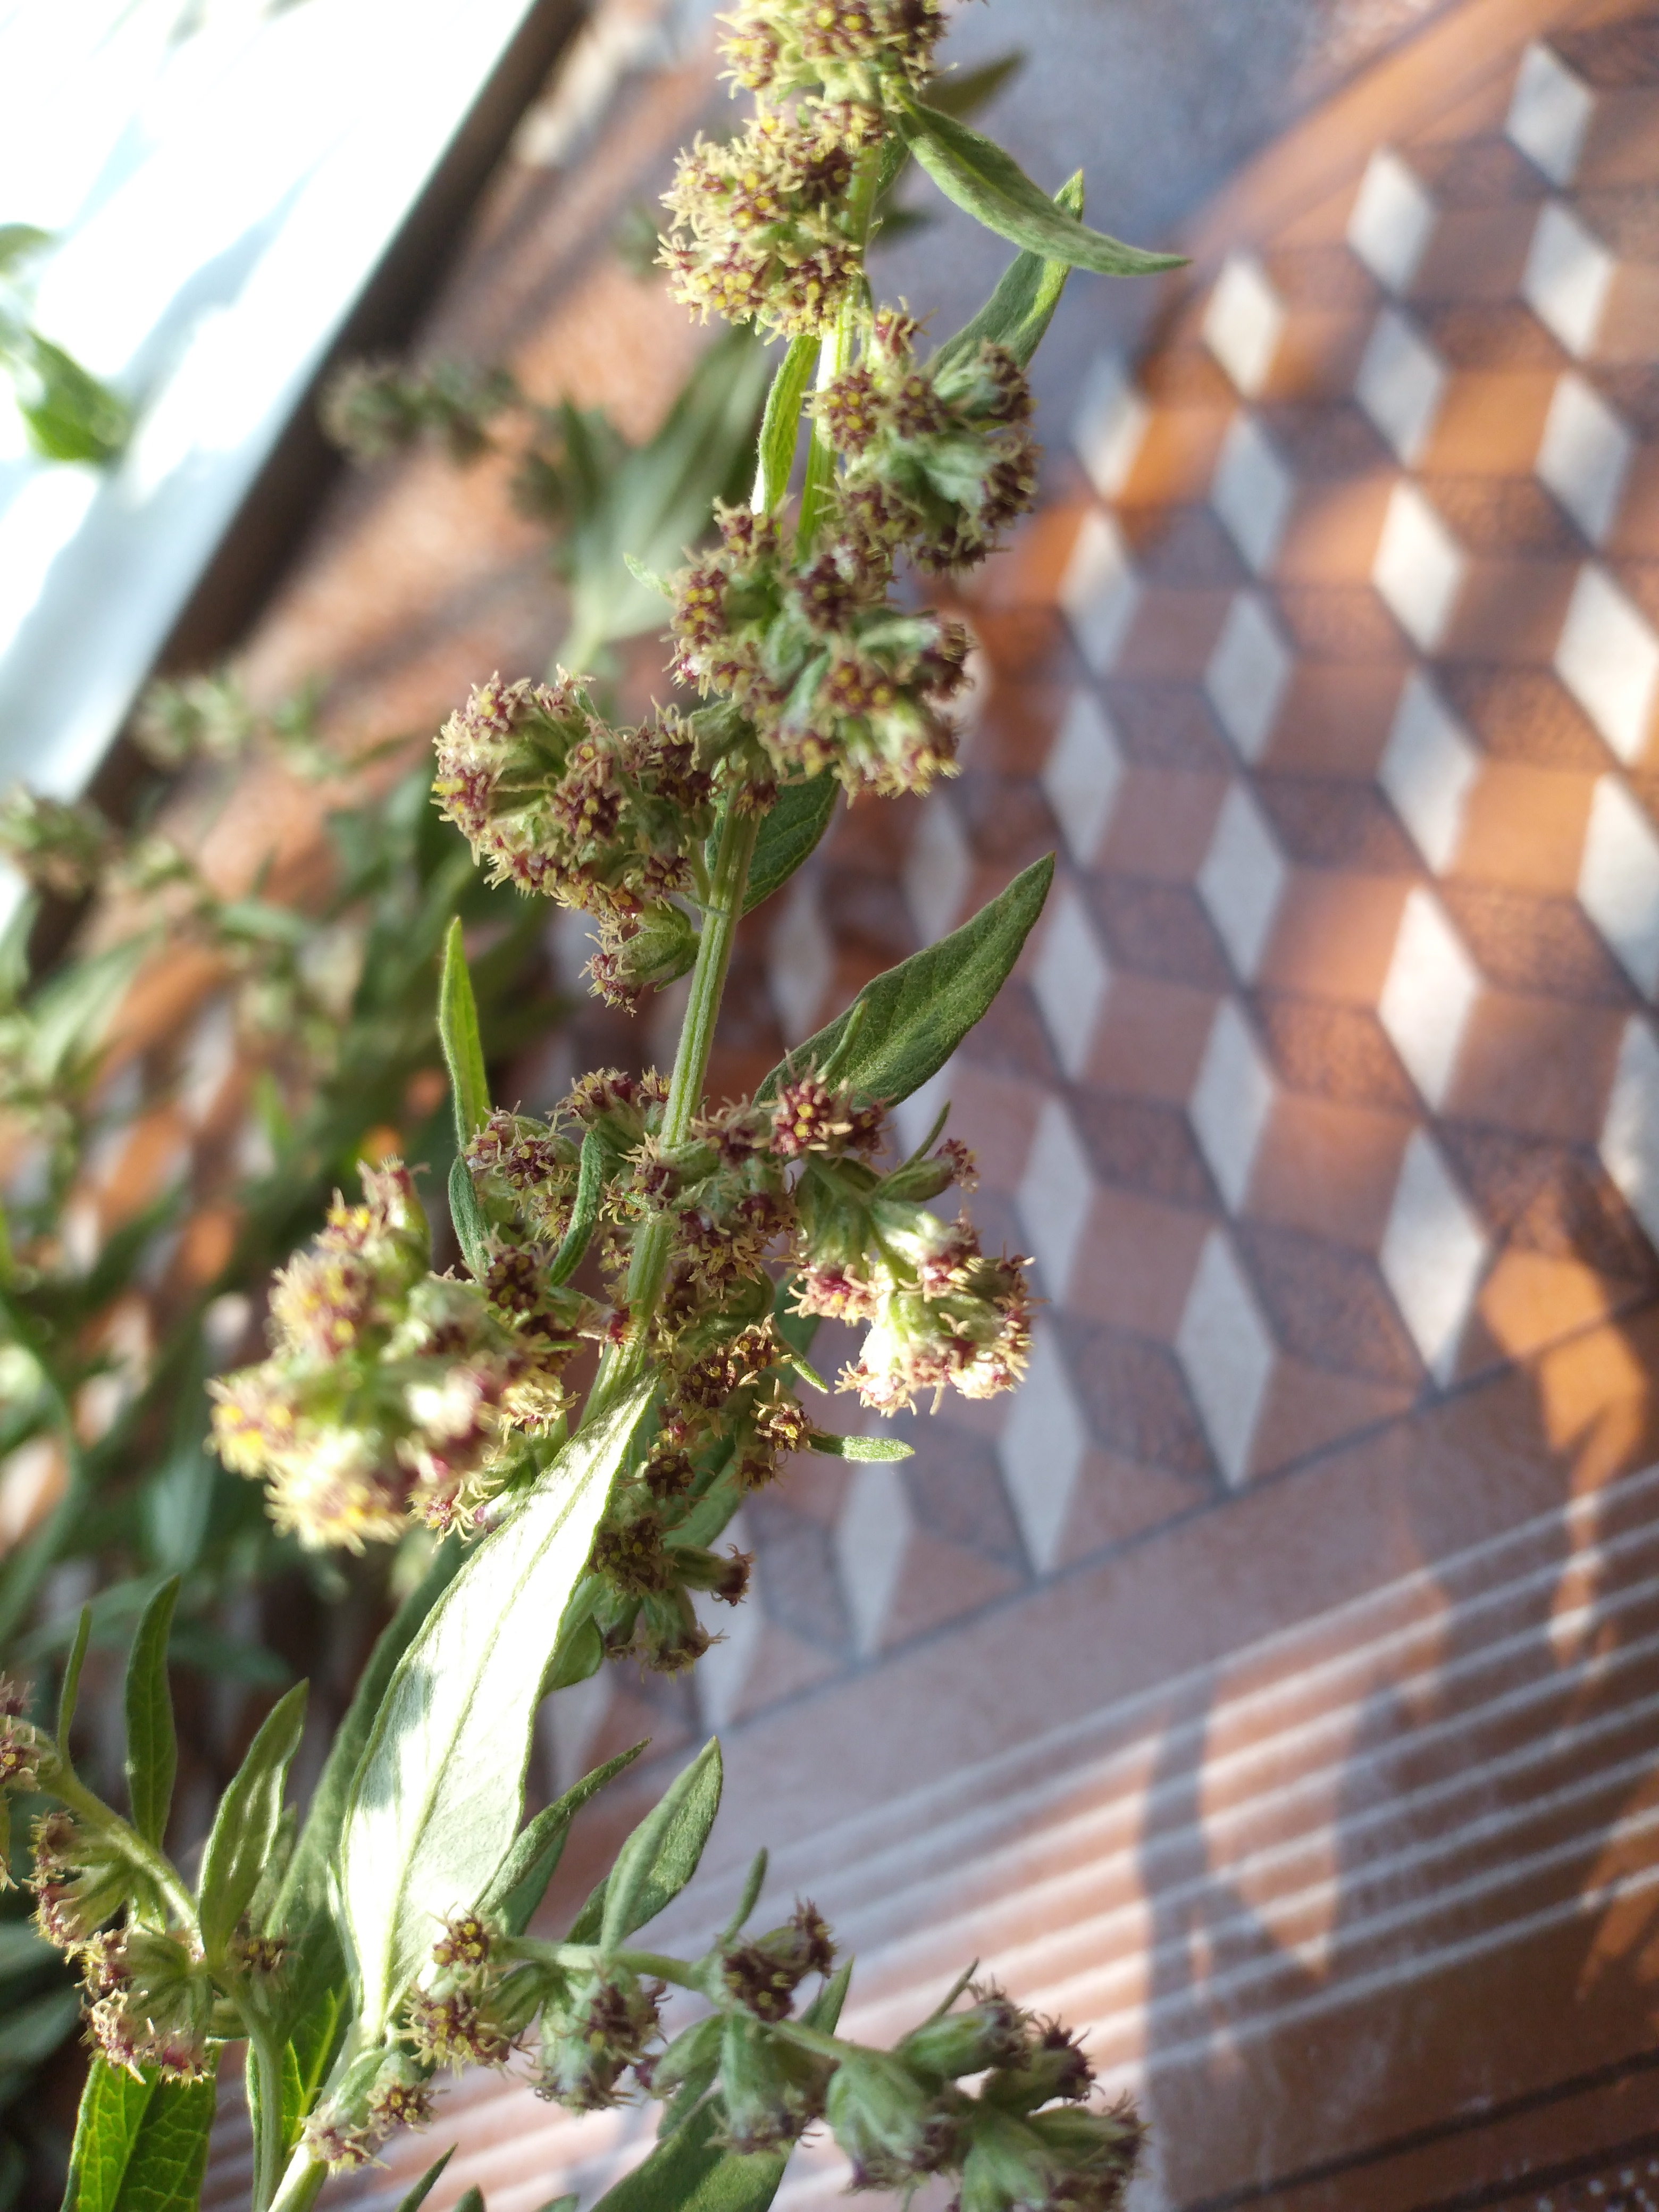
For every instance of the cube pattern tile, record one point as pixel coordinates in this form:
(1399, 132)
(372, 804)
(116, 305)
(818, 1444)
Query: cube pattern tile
(1270, 1685)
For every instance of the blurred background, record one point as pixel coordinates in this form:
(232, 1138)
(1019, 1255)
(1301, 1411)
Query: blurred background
(1271, 1686)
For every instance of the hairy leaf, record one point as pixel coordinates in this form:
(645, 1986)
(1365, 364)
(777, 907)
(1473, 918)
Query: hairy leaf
(152, 1746)
(860, 1447)
(781, 424)
(435, 1802)
(910, 1020)
(584, 1213)
(973, 171)
(69, 1695)
(302, 1914)
(658, 1858)
(789, 836)
(1020, 310)
(520, 1883)
(467, 1217)
(245, 1827)
(458, 1031)
(112, 2108)
(164, 2173)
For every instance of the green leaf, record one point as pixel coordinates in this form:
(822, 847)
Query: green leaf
(859, 1447)
(661, 1857)
(164, 2173)
(457, 1032)
(912, 1019)
(788, 835)
(471, 2200)
(690, 2170)
(245, 1827)
(467, 1216)
(113, 2108)
(69, 415)
(69, 1696)
(974, 172)
(303, 1914)
(152, 1746)
(781, 424)
(1020, 310)
(584, 1212)
(428, 2181)
(520, 1883)
(435, 1801)
(294, 2102)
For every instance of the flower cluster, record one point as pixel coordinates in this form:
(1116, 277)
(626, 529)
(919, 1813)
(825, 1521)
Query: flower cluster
(54, 845)
(938, 458)
(870, 51)
(392, 1392)
(827, 672)
(557, 801)
(1028, 2139)
(758, 233)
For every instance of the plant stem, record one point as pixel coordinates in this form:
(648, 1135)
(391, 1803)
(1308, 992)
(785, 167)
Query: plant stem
(738, 830)
(63, 1784)
(267, 2135)
(836, 358)
(300, 2182)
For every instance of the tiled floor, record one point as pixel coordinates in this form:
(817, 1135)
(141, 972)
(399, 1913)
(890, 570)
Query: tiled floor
(1272, 1684)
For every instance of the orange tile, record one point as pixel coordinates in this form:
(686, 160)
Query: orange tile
(1476, 253)
(1173, 634)
(1635, 532)
(996, 1115)
(1621, 146)
(1308, 1408)
(1510, 611)
(1524, 826)
(1177, 456)
(1335, 935)
(1530, 1300)
(1336, 718)
(1116, 1498)
(1630, 327)
(1028, 571)
(1319, 353)
(1334, 531)
(1328, 1168)
(1163, 823)
(1489, 425)
(1135, 1263)
(1537, 1065)
(1152, 1037)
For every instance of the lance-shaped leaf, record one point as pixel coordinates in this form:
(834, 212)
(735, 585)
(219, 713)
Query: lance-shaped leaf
(789, 836)
(302, 1915)
(520, 1883)
(112, 2106)
(974, 171)
(68, 1695)
(467, 1217)
(781, 424)
(661, 1854)
(458, 1031)
(435, 1802)
(152, 1745)
(584, 1212)
(428, 2181)
(245, 1827)
(658, 1858)
(1018, 313)
(859, 1447)
(909, 1021)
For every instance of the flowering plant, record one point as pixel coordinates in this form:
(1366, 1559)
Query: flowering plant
(679, 1255)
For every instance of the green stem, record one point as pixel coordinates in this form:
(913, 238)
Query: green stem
(62, 1785)
(267, 2135)
(735, 849)
(298, 2190)
(836, 358)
